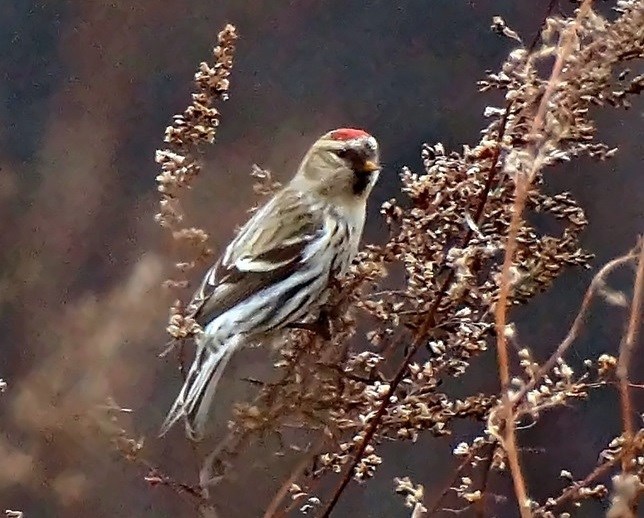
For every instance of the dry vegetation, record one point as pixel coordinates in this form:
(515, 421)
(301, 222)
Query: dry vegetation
(465, 247)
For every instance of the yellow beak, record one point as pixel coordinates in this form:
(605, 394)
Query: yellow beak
(369, 166)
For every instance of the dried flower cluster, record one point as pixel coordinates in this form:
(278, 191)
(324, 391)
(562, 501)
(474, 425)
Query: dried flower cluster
(196, 126)
(463, 238)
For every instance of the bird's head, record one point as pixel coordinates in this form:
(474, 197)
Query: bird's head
(343, 164)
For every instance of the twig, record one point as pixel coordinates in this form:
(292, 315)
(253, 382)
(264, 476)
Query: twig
(233, 443)
(382, 408)
(598, 472)
(457, 472)
(157, 477)
(573, 489)
(508, 439)
(273, 507)
(625, 354)
(537, 36)
(523, 182)
(426, 325)
(487, 465)
(573, 333)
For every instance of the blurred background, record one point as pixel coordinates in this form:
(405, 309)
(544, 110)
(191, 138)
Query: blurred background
(86, 91)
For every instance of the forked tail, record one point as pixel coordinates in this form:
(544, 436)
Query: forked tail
(193, 402)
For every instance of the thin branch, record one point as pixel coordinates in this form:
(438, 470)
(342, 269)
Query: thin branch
(457, 473)
(459, 469)
(625, 354)
(427, 323)
(537, 36)
(273, 507)
(571, 491)
(157, 477)
(523, 182)
(597, 473)
(508, 439)
(487, 465)
(575, 329)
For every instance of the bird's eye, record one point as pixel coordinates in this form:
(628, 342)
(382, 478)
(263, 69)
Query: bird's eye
(342, 153)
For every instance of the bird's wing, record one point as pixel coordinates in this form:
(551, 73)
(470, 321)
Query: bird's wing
(268, 249)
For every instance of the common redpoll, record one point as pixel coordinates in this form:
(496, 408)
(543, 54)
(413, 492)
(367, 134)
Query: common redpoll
(277, 270)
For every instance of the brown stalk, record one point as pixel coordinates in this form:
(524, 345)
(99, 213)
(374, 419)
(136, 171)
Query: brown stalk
(486, 467)
(157, 477)
(573, 333)
(477, 217)
(523, 183)
(625, 354)
(233, 443)
(273, 508)
(598, 472)
(400, 374)
(508, 440)
(457, 473)
(573, 489)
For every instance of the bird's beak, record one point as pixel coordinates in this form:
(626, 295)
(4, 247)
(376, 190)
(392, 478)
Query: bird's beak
(370, 166)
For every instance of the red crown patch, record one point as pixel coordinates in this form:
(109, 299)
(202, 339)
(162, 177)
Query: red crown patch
(348, 134)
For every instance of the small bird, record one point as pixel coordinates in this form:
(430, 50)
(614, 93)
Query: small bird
(277, 270)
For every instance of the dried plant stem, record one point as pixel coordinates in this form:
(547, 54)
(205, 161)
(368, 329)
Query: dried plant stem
(599, 472)
(457, 473)
(233, 443)
(625, 354)
(180, 166)
(157, 477)
(509, 437)
(523, 182)
(273, 507)
(375, 421)
(572, 490)
(546, 15)
(573, 333)
(426, 325)
(565, 49)
(487, 465)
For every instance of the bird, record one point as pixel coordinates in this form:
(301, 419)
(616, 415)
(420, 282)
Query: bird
(277, 270)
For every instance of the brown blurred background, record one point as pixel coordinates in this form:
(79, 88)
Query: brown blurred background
(87, 88)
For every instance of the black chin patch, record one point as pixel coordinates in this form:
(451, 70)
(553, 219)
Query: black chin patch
(361, 180)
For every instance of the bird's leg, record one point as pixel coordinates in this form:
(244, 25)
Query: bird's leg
(325, 328)
(321, 327)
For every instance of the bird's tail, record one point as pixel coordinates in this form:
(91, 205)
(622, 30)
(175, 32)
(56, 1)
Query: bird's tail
(193, 402)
